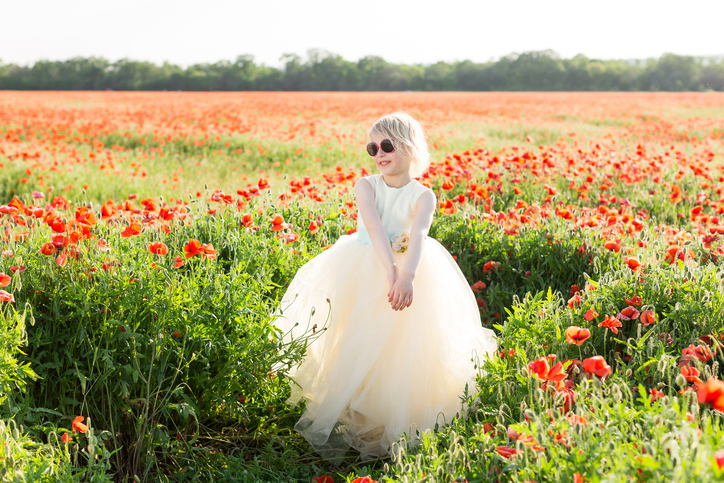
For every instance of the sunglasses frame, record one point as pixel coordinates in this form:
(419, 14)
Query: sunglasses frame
(378, 147)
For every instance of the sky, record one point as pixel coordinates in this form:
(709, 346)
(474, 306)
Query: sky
(406, 31)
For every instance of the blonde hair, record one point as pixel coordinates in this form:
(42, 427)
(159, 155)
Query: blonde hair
(408, 136)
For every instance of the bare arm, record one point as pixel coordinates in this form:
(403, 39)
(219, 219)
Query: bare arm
(368, 211)
(402, 289)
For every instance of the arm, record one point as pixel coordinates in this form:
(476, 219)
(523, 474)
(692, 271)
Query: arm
(368, 211)
(402, 289)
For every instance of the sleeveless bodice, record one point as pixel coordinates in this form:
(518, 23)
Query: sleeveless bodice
(396, 206)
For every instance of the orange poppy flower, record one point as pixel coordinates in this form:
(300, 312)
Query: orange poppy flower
(47, 249)
(633, 263)
(539, 368)
(313, 227)
(590, 315)
(247, 220)
(85, 216)
(193, 248)
(577, 335)
(628, 313)
(648, 317)
(278, 223)
(597, 365)
(690, 372)
(132, 230)
(447, 185)
(701, 353)
(507, 452)
(491, 265)
(158, 248)
(634, 301)
(6, 296)
(4, 280)
(178, 263)
(66, 438)
(712, 392)
(364, 479)
(208, 252)
(478, 286)
(611, 323)
(78, 425)
(62, 259)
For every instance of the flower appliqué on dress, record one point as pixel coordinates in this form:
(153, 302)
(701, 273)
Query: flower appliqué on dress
(399, 241)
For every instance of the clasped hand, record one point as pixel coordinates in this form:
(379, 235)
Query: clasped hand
(400, 294)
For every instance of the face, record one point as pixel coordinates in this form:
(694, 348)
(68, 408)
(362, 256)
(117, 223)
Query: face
(391, 164)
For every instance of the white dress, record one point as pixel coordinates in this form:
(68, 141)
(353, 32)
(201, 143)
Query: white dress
(375, 373)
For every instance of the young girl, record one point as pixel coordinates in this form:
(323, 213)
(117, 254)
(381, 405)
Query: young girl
(402, 328)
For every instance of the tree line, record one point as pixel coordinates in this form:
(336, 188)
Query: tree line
(324, 71)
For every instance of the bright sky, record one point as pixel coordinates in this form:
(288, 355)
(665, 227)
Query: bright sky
(404, 31)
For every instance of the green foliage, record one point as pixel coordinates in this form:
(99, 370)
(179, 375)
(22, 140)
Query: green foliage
(325, 71)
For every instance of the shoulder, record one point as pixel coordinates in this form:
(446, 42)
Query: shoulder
(422, 192)
(365, 186)
(366, 181)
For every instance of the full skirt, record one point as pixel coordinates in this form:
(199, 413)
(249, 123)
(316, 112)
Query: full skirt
(370, 373)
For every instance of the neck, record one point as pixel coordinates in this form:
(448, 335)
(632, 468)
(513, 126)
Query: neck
(397, 181)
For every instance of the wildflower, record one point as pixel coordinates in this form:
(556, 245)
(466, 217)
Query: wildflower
(178, 263)
(632, 263)
(597, 365)
(629, 313)
(648, 317)
(575, 301)
(539, 368)
(47, 249)
(719, 459)
(701, 353)
(158, 248)
(577, 335)
(62, 259)
(491, 265)
(278, 223)
(322, 479)
(478, 286)
(447, 185)
(712, 392)
(690, 372)
(313, 227)
(4, 280)
(634, 301)
(611, 323)
(6, 296)
(507, 452)
(132, 230)
(66, 438)
(656, 394)
(590, 315)
(78, 425)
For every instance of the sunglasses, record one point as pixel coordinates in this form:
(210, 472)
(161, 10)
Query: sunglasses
(386, 145)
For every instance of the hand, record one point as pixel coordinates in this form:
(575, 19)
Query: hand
(400, 295)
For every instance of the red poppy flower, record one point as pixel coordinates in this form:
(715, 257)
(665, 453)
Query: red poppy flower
(47, 249)
(648, 317)
(491, 265)
(539, 368)
(507, 452)
(712, 392)
(6, 296)
(193, 248)
(322, 479)
(62, 259)
(78, 425)
(364, 479)
(85, 216)
(4, 280)
(178, 263)
(719, 458)
(313, 227)
(634, 301)
(132, 230)
(590, 315)
(628, 313)
(478, 286)
(632, 263)
(263, 184)
(158, 248)
(447, 185)
(247, 220)
(278, 223)
(611, 323)
(690, 372)
(208, 251)
(66, 438)
(597, 365)
(701, 353)
(577, 335)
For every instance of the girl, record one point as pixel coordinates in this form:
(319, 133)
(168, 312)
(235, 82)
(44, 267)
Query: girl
(402, 328)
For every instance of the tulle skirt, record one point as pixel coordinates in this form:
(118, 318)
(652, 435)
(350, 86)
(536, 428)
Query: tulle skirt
(370, 373)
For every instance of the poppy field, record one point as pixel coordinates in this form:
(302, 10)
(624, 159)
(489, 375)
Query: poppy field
(149, 237)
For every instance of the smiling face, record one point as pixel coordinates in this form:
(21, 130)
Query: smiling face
(392, 164)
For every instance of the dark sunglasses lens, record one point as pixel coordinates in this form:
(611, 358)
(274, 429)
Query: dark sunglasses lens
(387, 146)
(372, 149)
